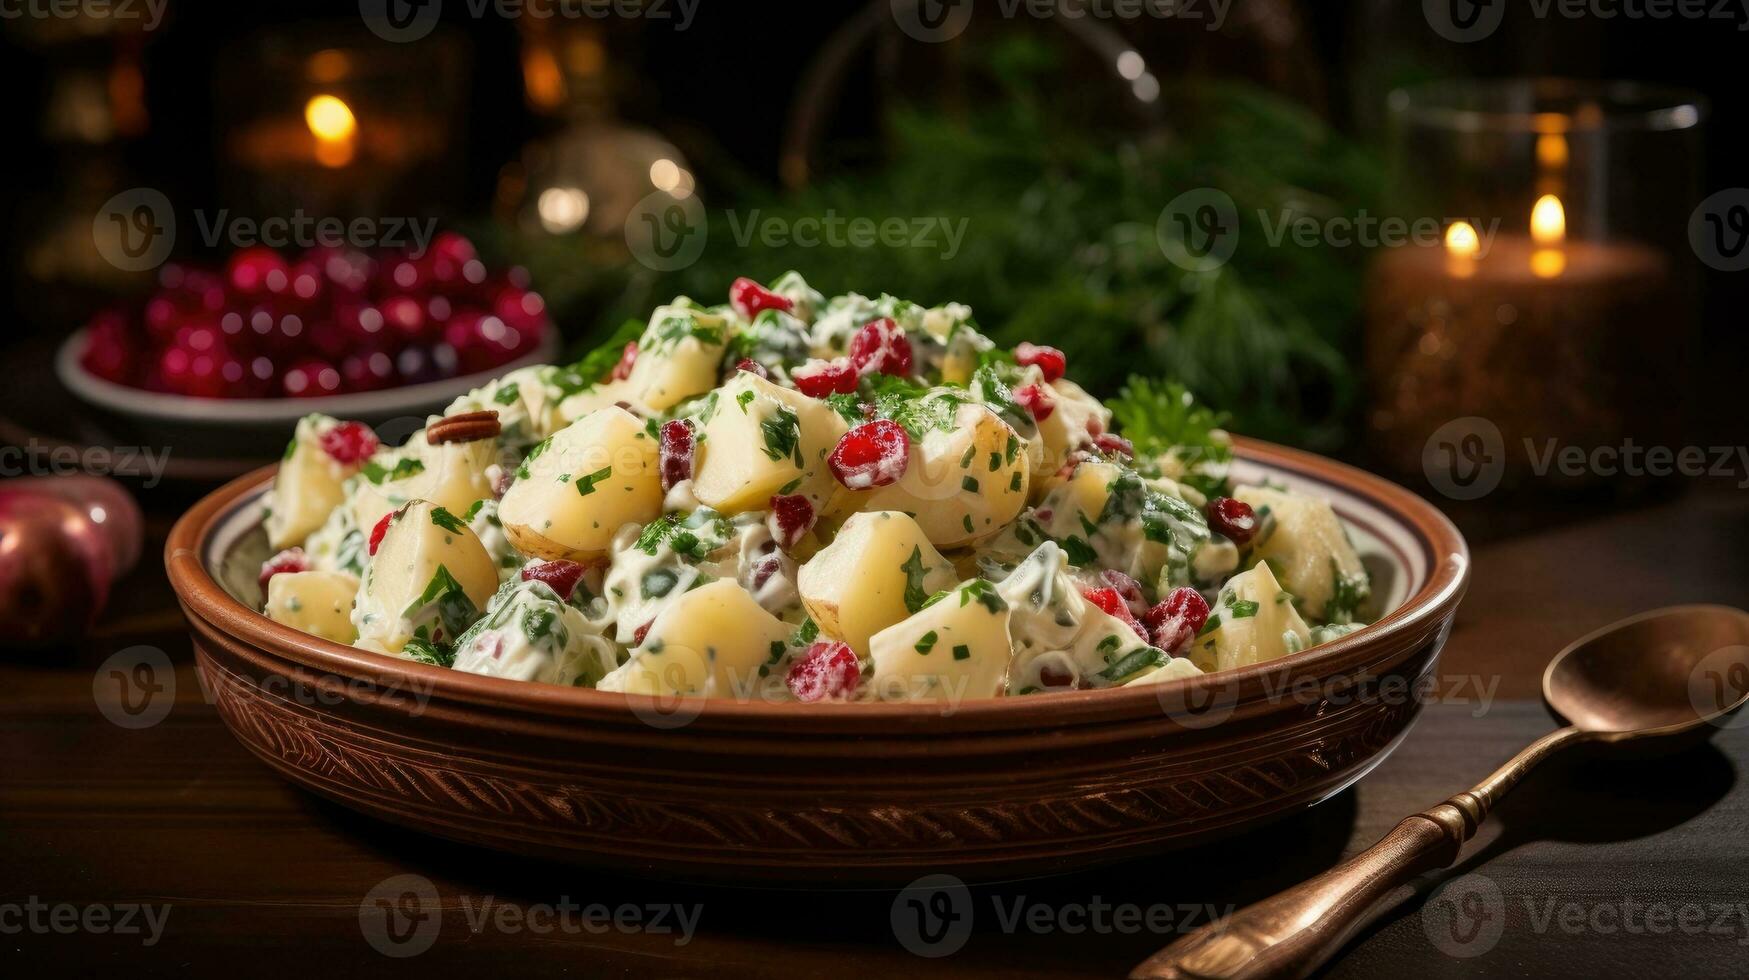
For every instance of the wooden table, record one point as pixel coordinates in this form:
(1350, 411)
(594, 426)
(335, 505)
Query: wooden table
(1630, 870)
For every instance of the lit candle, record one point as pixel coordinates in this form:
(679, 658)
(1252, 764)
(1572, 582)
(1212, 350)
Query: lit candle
(1548, 228)
(335, 128)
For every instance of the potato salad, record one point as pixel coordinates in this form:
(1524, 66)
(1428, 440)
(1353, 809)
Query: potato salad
(790, 497)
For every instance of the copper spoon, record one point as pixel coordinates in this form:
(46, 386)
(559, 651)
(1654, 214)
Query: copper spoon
(1659, 681)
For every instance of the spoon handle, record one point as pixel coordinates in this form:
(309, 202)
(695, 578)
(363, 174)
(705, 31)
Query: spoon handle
(1294, 932)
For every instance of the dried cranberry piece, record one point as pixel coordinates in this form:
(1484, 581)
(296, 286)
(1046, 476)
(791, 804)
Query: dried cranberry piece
(749, 298)
(1109, 600)
(792, 516)
(825, 670)
(677, 452)
(1038, 400)
(1049, 360)
(560, 575)
(1128, 588)
(289, 560)
(382, 528)
(817, 379)
(349, 443)
(627, 358)
(1049, 676)
(1175, 620)
(880, 347)
(1233, 519)
(874, 454)
(764, 569)
(1114, 445)
(751, 366)
(641, 632)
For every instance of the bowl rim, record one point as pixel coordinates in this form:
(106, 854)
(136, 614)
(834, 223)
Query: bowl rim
(1421, 614)
(164, 406)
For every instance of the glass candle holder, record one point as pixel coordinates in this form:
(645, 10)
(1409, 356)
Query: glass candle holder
(1544, 303)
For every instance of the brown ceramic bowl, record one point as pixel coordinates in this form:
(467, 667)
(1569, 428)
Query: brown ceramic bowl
(855, 793)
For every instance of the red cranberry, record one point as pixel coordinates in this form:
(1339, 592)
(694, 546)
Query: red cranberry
(880, 346)
(310, 378)
(1128, 588)
(405, 316)
(641, 632)
(1038, 400)
(109, 348)
(817, 379)
(1114, 445)
(1233, 519)
(306, 283)
(367, 372)
(448, 255)
(751, 366)
(1109, 600)
(289, 560)
(523, 311)
(561, 576)
(361, 320)
(403, 274)
(257, 270)
(874, 454)
(1175, 620)
(792, 516)
(749, 298)
(382, 528)
(827, 670)
(627, 358)
(764, 569)
(1051, 676)
(677, 451)
(1049, 360)
(349, 443)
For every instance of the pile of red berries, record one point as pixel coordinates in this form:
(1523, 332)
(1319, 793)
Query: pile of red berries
(331, 321)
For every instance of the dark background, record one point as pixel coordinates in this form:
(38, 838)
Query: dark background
(721, 90)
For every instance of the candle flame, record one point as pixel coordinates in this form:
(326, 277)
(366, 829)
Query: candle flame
(1548, 221)
(332, 123)
(1461, 241)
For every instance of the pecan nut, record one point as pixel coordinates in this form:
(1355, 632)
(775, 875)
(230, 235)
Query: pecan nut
(470, 427)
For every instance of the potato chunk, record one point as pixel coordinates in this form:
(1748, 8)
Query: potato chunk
(530, 634)
(1070, 425)
(712, 641)
(759, 439)
(315, 602)
(1304, 543)
(1252, 620)
(308, 487)
(428, 580)
(880, 569)
(955, 648)
(963, 483)
(678, 356)
(579, 487)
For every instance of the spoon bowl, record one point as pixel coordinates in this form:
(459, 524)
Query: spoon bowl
(1682, 670)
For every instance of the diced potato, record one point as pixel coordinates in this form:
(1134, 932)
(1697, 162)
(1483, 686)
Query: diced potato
(1305, 544)
(315, 602)
(451, 475)
(963, 484)
(678, 356)
(954, 649)
(1253, 620)
(526, 400)
(607, 394)
(1175, 669)
(1060, 639)
(578, 488)
(1066, 428)
(530, 634)
(759, 439)
(310, 484)
(428, 580)
(877, 571)
(712, 641)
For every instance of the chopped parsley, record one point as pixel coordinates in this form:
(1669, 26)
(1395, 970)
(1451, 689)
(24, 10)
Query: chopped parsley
(962, 652)
(377, 473)
(926, 642)
(915, 597)
(449, 522)
(507, 394)
(783, 435)
(586, 483)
